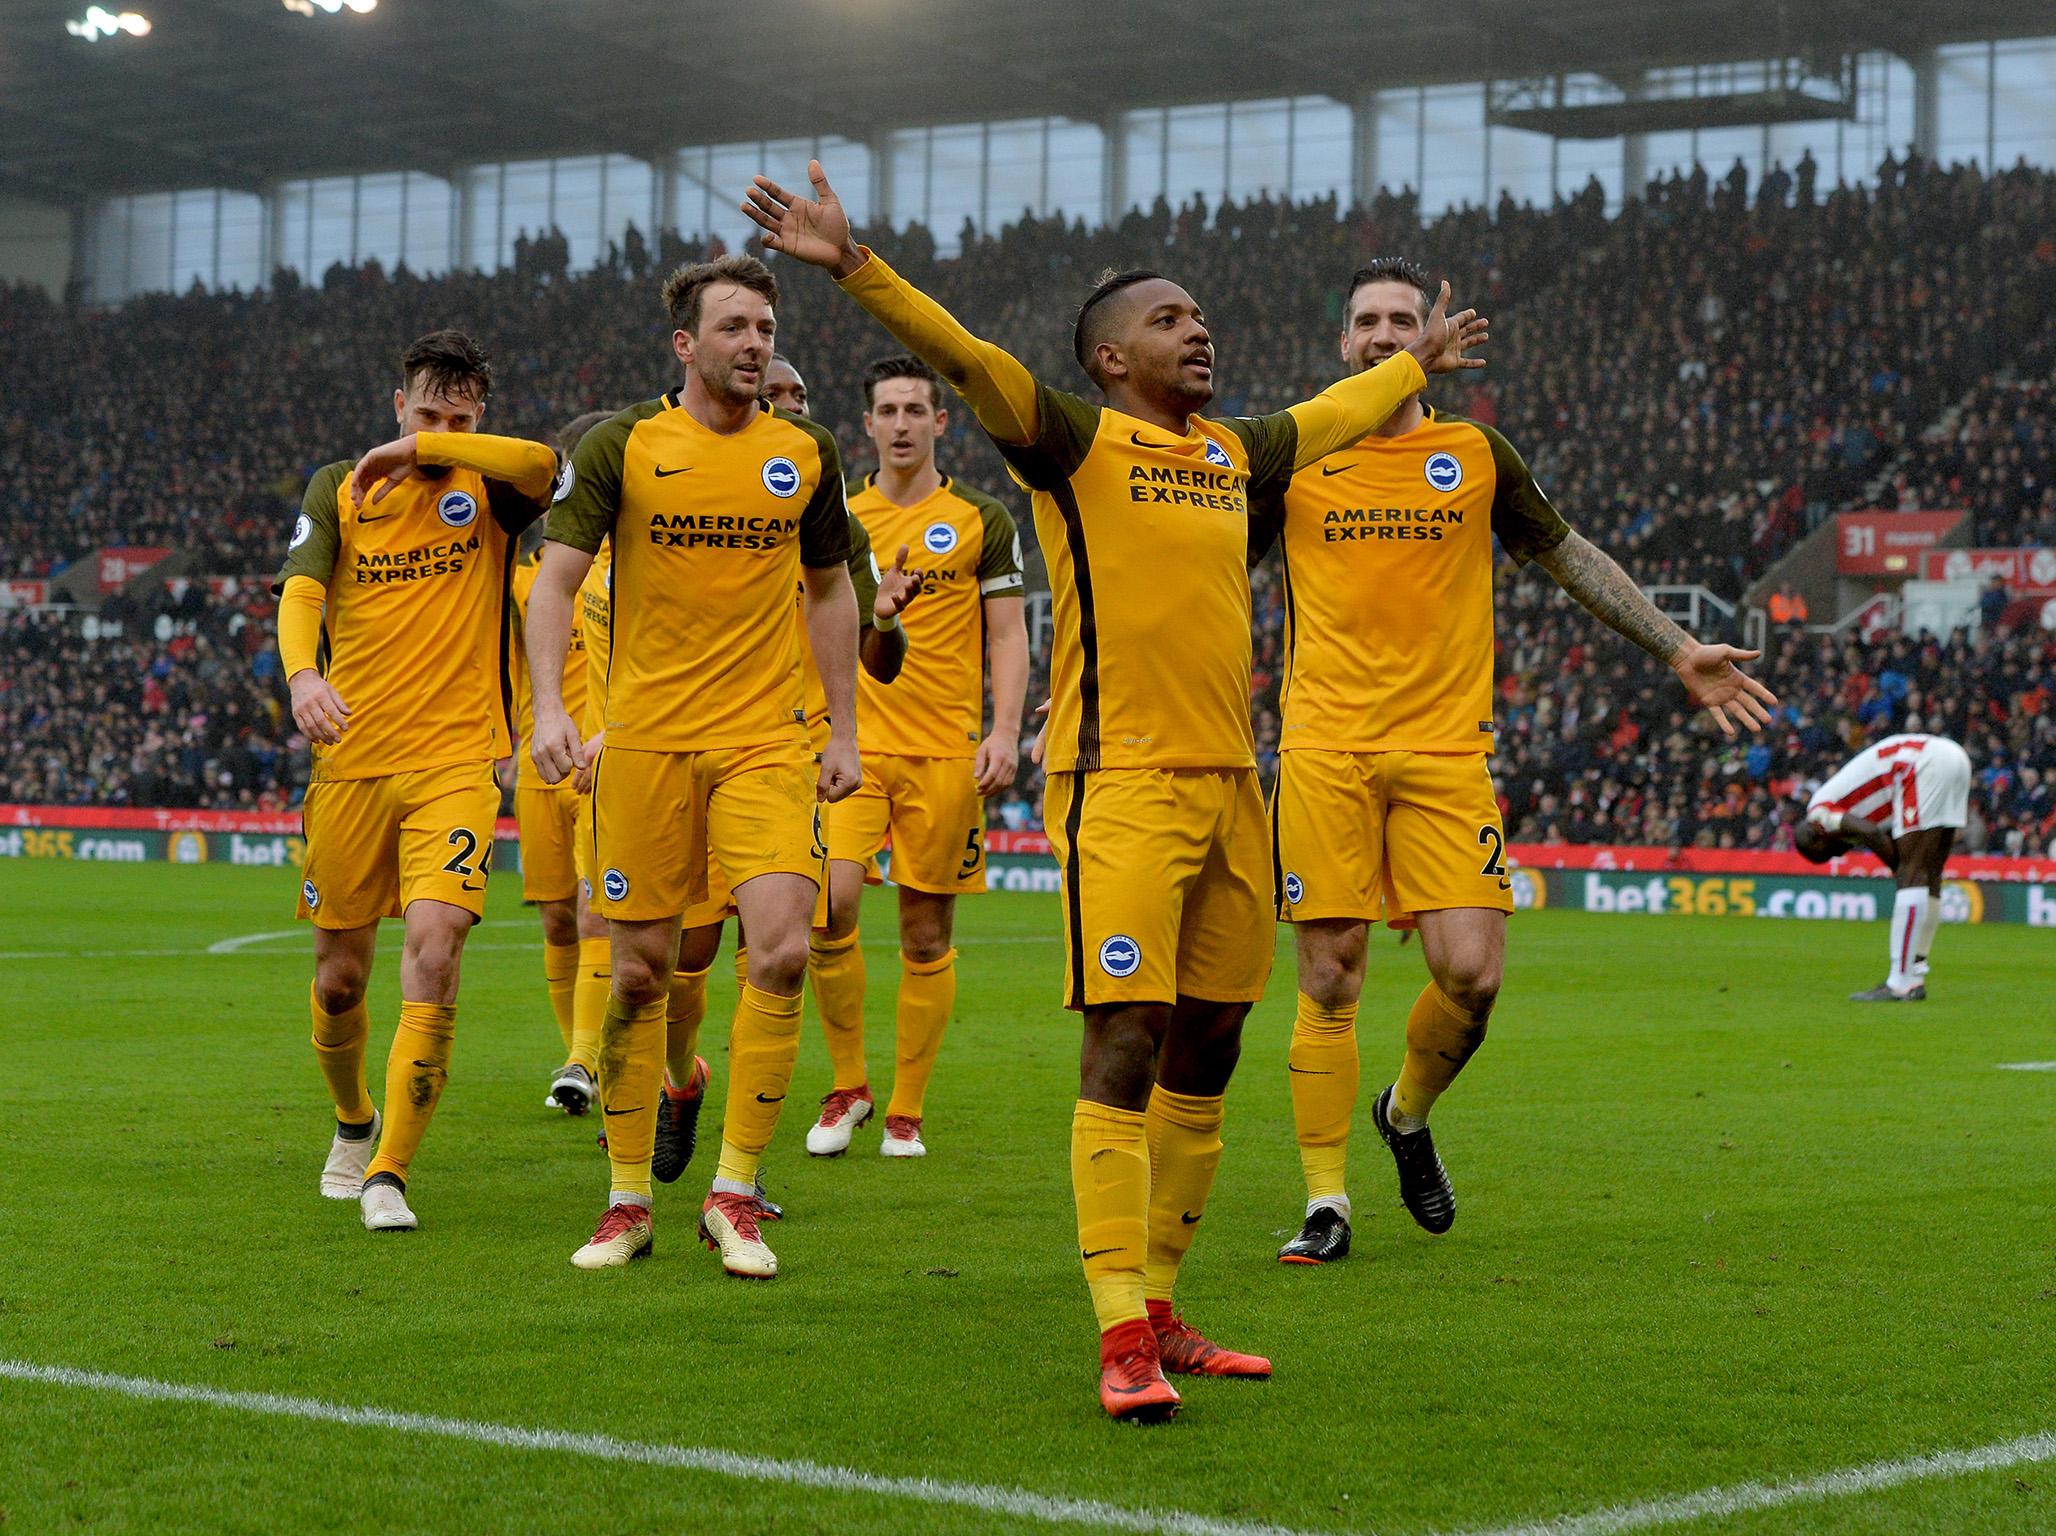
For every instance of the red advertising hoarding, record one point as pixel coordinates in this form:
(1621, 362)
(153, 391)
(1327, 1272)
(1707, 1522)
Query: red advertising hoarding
(121, 564)
(2026, 572)
(1887, 543)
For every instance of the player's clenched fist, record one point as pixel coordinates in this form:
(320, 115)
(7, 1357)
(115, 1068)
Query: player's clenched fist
(318, 710)
(841, 771)
(556, 747)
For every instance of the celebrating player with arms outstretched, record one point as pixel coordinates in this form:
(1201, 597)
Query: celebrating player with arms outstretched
(1384, 803)
(1904, 798)
(1154, 810)
(716, 506)
(928, 763)
(391, 624)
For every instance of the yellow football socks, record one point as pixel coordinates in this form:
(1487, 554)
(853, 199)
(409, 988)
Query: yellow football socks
(339, 1046)
(1184, 1134)
(631, 1064)
(683, 1012)
(560, 974)
(589, 992)
(927, 996)
(416, 1070)
(1440, 1038)
(742, 964)
(762, 1048)
(1323, 1070)
(836, 968)
(1110, 1181)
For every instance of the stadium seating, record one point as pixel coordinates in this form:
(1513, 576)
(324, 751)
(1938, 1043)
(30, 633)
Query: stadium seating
(1697, 382)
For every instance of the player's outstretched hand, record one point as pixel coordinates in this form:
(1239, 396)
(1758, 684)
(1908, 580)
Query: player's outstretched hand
(318, 710)
(841, 770)
(1443, 341)
(1723, 689)
(815, 230)
(556, 747)
(389, 462)
(897, 588)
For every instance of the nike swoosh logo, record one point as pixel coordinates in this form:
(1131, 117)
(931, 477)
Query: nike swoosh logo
(762, 1100)
(1506, 885)
(468, 886)
(633, 1109)
(1095, 1253)
(366, 517)
(1129, 1391)
(1308, 1071)
(1189, 1219)
(1142, 442)
(666, 473)
(1338, 469)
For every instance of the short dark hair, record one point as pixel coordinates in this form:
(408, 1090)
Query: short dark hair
(1817, 846)
(1086, 335)
(902, 367)
(1390, 269)
(453, 361)
(573, 431)
(684, 288)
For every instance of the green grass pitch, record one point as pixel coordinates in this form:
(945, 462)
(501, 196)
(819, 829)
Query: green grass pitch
(1716, 1225)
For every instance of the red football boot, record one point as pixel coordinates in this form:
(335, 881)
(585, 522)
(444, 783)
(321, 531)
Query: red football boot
(1185, 1351)
(1131, 1382)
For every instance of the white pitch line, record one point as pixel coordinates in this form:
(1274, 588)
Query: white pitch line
(2027, 1066)
(983, 1497)
(1739, 1498)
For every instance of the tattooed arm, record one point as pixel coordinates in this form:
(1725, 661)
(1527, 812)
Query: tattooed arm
(1708, 672)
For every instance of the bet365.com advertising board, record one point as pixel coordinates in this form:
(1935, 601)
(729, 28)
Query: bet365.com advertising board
(1637, 882)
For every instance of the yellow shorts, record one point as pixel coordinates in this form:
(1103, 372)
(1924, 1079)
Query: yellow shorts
(549, 831)
(932, 808)
(663, 820)
(1166, 879)
(717, 908)
(1387, 834)
(374, 846)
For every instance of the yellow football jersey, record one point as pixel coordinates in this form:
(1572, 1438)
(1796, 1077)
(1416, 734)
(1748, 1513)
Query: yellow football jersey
(414, 632)
(709, 531)
(1146, 534)
(595, 621)
(1388, 586)
(864, 578)
(524, 694)
(965, 545)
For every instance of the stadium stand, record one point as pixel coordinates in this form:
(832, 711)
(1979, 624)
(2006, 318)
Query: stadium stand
(1698, 381)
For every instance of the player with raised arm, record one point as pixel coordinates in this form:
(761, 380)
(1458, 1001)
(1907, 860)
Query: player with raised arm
(1384, 804)
(1141, 506)
(928, 761)
(1903, 798)
(392, 629)
(716, 506)
(547, 816)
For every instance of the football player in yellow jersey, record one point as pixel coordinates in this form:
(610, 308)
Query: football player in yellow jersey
(1141, 506)
(1384, 804)
(547, 815)
(715, 506)
(392, 628)
(928, 761)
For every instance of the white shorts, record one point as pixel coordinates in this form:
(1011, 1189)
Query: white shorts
(1910, 784)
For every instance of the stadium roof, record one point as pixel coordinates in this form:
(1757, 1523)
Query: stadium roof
(241, 93)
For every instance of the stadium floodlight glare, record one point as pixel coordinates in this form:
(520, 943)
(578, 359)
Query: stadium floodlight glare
(100, 22)
(309, 7)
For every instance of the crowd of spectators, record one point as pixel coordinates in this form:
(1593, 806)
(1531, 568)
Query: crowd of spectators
(1697, 380)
